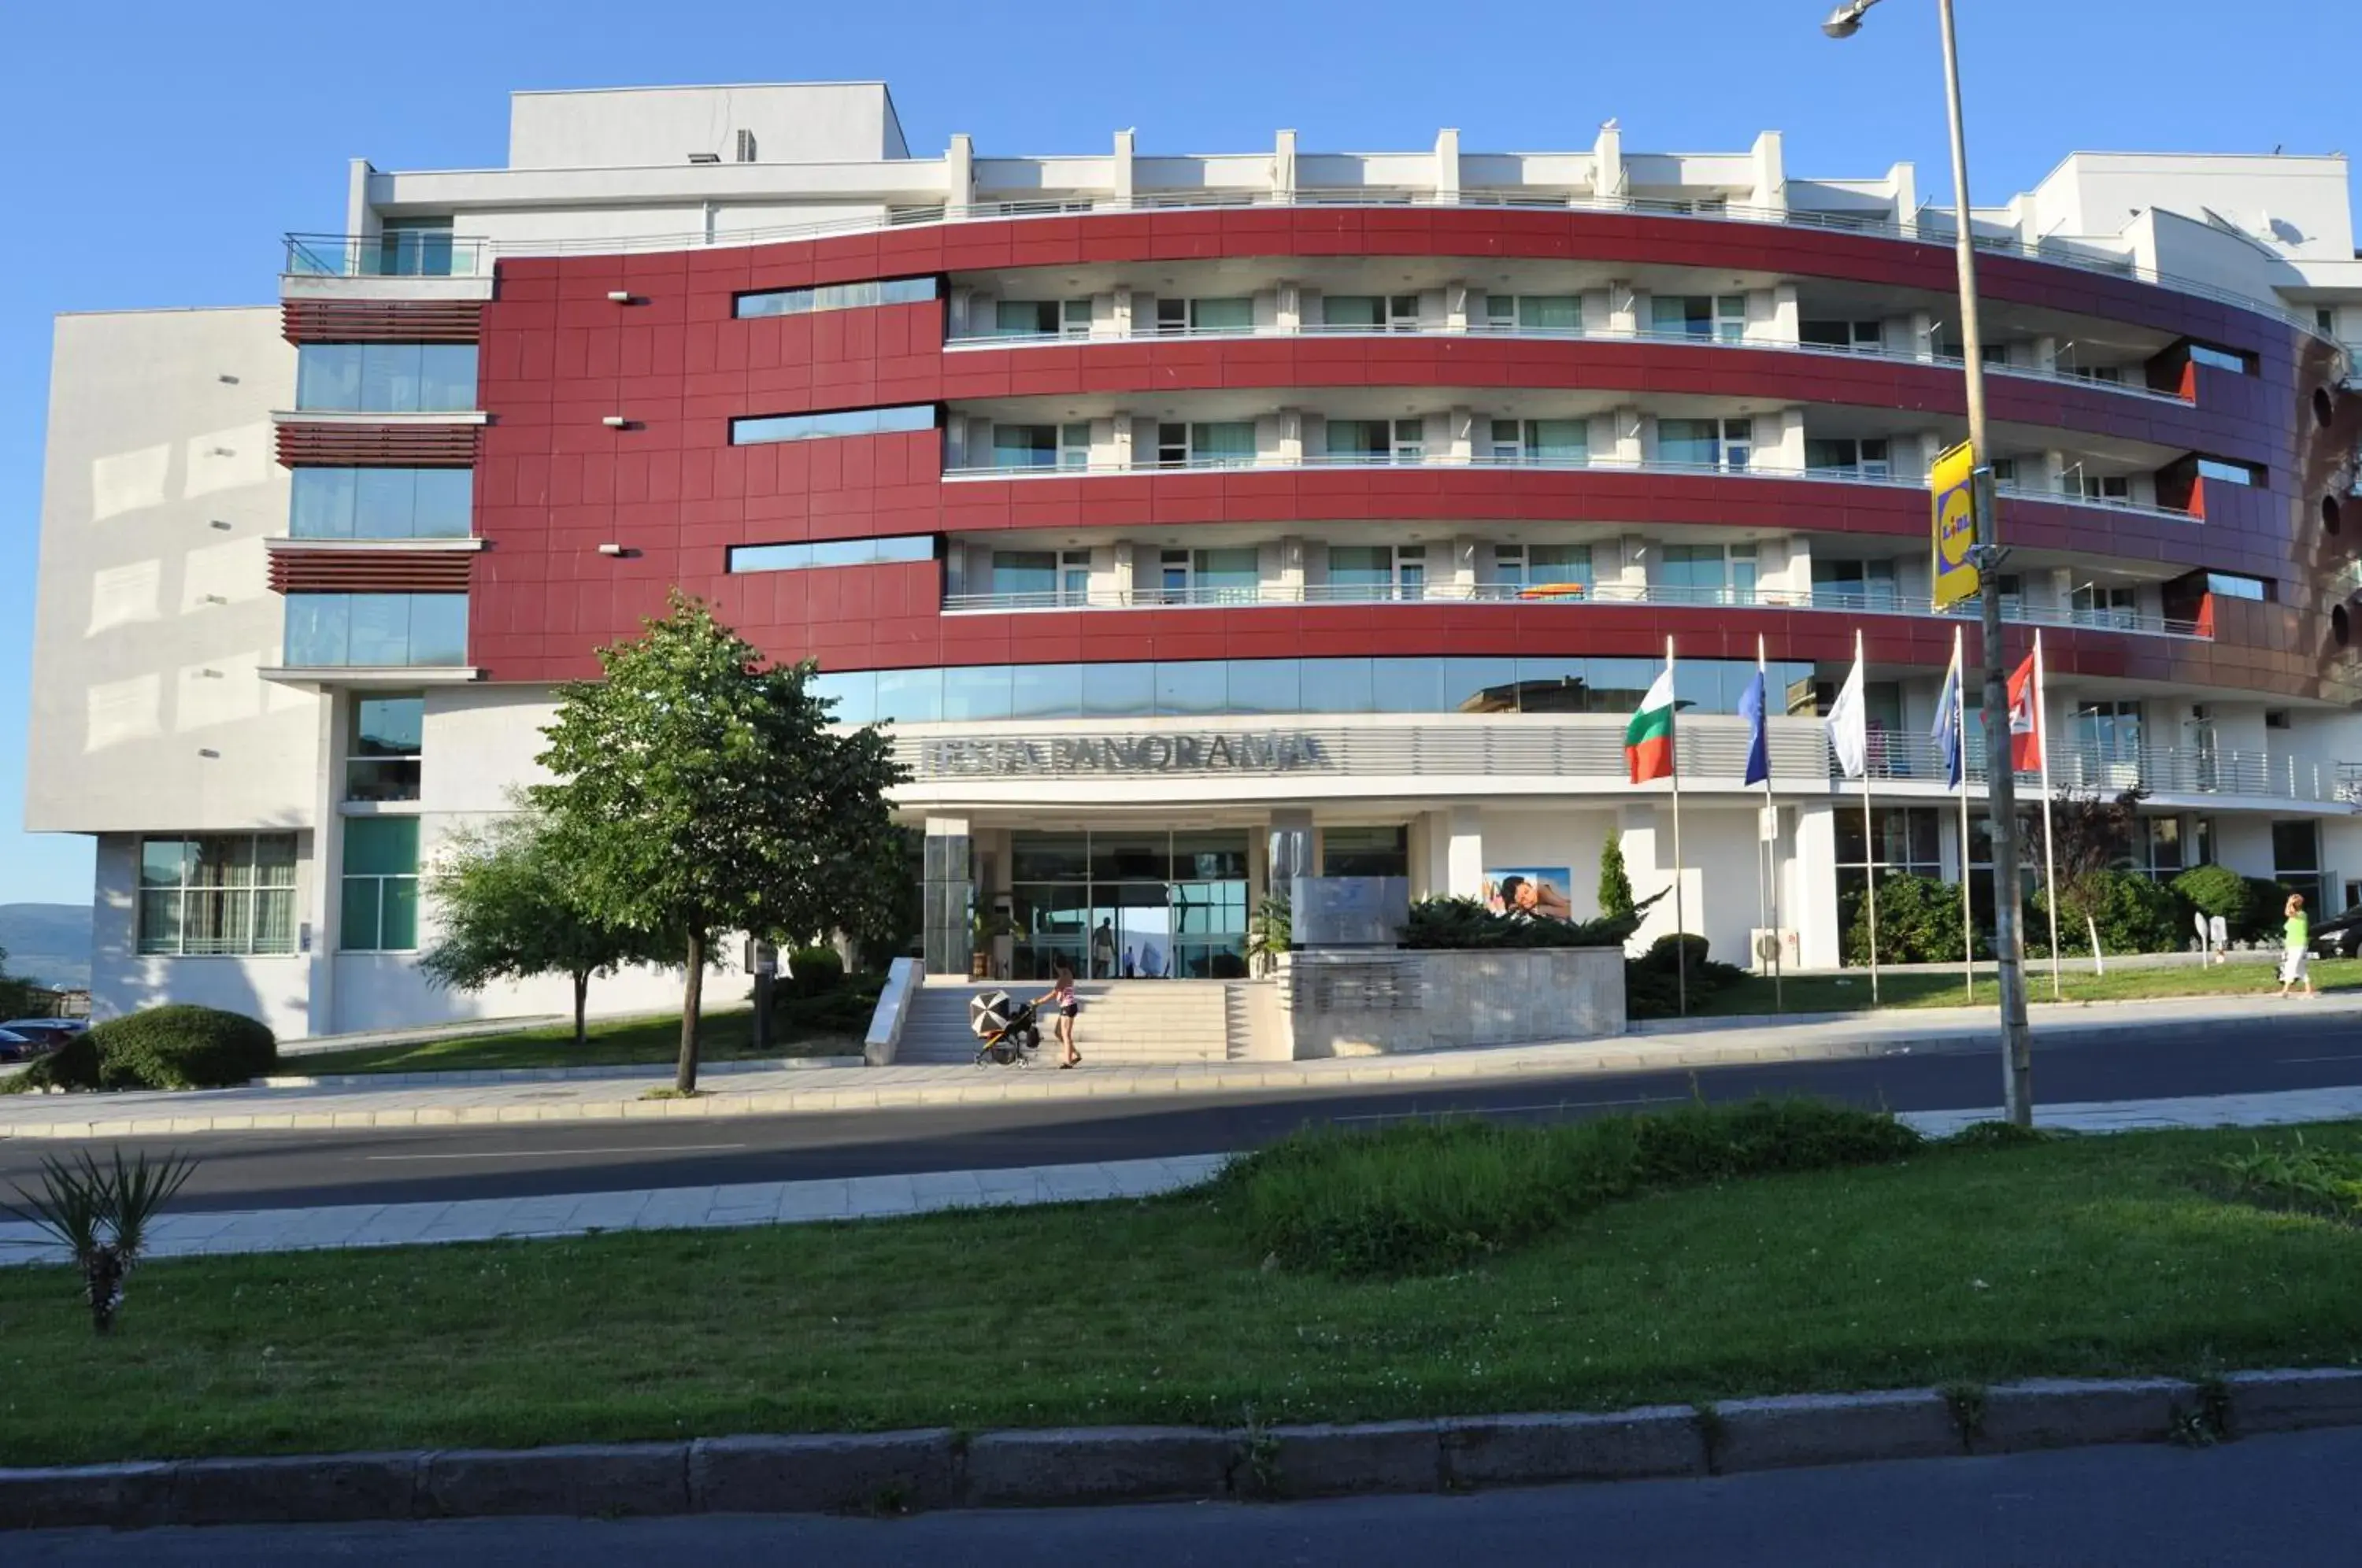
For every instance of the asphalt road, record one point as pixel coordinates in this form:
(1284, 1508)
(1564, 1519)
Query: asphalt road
(2272, 1500)
(2284, 1049)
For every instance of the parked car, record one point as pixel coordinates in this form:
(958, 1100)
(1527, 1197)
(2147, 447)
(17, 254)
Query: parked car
(15, 1047)
(2338, 938)
(49, 1032)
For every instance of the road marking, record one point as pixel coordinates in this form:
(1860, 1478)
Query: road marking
(1490, 1110)
(2349, 1056)
(544, 1154)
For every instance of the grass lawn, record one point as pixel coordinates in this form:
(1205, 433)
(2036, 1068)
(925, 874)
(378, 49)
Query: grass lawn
(1832, 993)
(2094, 1257)
(834, 1030)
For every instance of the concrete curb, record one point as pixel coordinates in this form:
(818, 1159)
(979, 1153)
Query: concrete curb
(459, 1077)
(891, 1473)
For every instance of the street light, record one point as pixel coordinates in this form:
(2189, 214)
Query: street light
(2000, 779)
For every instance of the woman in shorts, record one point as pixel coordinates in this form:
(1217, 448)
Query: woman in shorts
(2296, 947)
(1061, 994)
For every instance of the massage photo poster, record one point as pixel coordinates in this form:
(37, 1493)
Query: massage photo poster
(1529, 890)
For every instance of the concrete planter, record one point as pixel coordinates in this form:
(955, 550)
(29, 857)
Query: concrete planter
(1344, 1002)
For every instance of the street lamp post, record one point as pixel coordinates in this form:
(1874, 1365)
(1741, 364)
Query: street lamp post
(2000, 779)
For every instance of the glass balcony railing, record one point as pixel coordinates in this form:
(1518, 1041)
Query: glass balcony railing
(392, 253)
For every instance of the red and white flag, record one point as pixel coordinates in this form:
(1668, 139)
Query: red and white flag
(2024, 727)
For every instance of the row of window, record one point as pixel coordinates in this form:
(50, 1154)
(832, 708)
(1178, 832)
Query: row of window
(839, 422)
(234, 894)
(835, 296)
(382, 503)
(326, 631)
(1214, 687)
(883, 550)
(385, 377)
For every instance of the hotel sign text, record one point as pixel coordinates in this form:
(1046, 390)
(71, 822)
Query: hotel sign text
(1269, 753)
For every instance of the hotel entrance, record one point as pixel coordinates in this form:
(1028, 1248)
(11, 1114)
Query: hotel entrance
(1129, 904)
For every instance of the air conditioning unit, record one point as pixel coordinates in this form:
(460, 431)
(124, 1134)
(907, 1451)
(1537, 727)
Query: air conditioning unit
(1768, 946)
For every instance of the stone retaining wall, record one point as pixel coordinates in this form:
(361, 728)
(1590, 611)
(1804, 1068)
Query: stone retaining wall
(1355, 1004)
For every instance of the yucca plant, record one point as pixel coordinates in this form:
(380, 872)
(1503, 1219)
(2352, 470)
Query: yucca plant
(101, 1214)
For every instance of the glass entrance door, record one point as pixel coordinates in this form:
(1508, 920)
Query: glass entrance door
(1130, 904)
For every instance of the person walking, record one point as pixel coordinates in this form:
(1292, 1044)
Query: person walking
(2296, 947)
(1062, 994)
(1103, 951)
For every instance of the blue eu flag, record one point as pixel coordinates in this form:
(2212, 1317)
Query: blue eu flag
(1759, 745)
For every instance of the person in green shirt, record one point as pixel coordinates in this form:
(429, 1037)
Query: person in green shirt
(2296, 947)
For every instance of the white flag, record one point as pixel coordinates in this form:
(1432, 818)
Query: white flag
(1849, 737)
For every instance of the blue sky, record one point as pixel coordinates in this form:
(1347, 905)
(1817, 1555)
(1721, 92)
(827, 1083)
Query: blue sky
(161, 149)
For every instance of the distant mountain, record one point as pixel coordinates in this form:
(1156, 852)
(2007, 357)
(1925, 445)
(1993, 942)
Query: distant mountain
(48, 942)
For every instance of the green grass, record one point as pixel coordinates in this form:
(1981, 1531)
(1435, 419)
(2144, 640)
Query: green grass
(1834, 993)
(826, 1026)
(2122, 1255)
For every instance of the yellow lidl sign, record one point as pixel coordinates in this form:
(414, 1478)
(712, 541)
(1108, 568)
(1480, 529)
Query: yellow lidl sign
(1952, 479)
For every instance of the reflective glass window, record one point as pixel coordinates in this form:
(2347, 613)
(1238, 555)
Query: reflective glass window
(1264, 686)
(840, 423)
(1119, 690)
(854, 693)
(911, 696)
(1336, 685)
(1200, 686)
(977, 692)
(835, 296)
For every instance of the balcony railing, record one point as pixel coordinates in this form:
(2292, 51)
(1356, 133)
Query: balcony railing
(1916, 230)
(1838, 601)
(1057, 467)
(395, 253)
(1913, 758)
(1031, 340)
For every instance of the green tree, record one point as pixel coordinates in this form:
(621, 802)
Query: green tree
(698, 791)
(1614, 887)
(16, 992)
(510, 911)
(2093, 835)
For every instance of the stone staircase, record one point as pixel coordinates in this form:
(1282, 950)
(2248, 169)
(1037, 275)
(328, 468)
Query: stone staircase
(1127, 1021)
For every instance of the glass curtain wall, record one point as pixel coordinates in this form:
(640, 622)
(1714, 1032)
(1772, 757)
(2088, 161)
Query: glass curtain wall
(1133, 904)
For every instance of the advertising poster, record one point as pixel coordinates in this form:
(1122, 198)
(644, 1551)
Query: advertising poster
(1529, 890)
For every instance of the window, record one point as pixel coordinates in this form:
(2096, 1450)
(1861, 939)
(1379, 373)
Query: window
(2005, 471)
(883, 551)
(2107, 733)
(1041, 319)
(382, 503)
(1707, 574)
(1395, 312)
(376, 630)
(1230, 576)
(1074, 445)
(2277, 719)
(841, 421)
(2326, 320)
(383, 747)
(2092, 604)
(1855, 336)
(1377, 571)
(1541, 441)
(2219, 359)
(2230, 585)
(2160, 847)
(1222, 444)
(2229, 473)
(1377, 440)
(1845, 457)
(1365, 852)
(835, 296)
(380, 912)
(385, 377)
(1902, 840)
(217, 894)
(2296, 862)
(1722, 317)
(1520, 568)
(1533, 312)
(1233, 315)
(1853, 585)
(412, 247)
(1705, 443)
(2103, 487)
(2111, 373)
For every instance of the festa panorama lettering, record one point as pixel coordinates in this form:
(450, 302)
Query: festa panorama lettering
(1279, 753)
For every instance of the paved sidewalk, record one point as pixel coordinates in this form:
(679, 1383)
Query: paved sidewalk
(883, 1197)
(773, 1090)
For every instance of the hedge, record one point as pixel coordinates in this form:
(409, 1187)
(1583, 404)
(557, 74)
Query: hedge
(174, 1047)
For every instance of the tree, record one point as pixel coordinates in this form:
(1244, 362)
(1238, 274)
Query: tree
(2092, 834)
(1614, 887)
(510, 911)
(699, 792)
(16, 991)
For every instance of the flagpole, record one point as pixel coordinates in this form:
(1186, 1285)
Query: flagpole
(2049, 846)
(1869, 840)
(1680, 920)
(1768, 849)
(1958, 720)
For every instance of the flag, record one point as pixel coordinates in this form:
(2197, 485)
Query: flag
(1759, 745)
(2024, 734)
(1649, 738)
(1951, 719)
(1847, 736)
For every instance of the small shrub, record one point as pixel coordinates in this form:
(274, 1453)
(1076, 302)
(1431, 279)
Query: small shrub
(1615, 882)
(1654, 981)
(813, 971)
(181, 1047)
(2135, 915)
(1423, 1198)
(1463, 923)
(1998, 1135)
(2319, 1181)
(100, 1214)
(1918, 922)
(2216, 890)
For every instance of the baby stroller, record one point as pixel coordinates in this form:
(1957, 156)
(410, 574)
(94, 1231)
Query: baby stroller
(1008, 1028)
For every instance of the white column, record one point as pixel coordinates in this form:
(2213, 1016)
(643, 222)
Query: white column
(1455, 305)
(1608, 162)
(1121, 168)
(1809, 900)
(1459, 436)
(322, 878)
(1464, 852)
(1283, 168)
(959, 176)
(1291, 582)
(1464, 567)
(1121, 312)
(1290, 309)
(1119, 439)
(1623, 307)
(1903, 181)
(1291, 436)
(1771, 175)
(1923, 333)
(1447, 167)
(1785, 323)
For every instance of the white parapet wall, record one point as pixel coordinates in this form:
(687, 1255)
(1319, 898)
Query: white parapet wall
(1348, 1003)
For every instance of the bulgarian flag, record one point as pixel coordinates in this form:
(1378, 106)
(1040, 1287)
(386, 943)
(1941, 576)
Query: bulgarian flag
(1649, 738)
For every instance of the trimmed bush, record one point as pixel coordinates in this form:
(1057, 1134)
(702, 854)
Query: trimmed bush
(1461, 923)
(1429, 1197)
(2217, 890)
(72, 1065)
(1918, 923)
(181, 1047)
(1652, 982)
(2135, 915)
(815, 970)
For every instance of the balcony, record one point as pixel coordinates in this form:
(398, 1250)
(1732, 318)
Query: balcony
(1569, 595)
(1899, 758)
(972, 341)
(1069, 464)
(391, 253)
